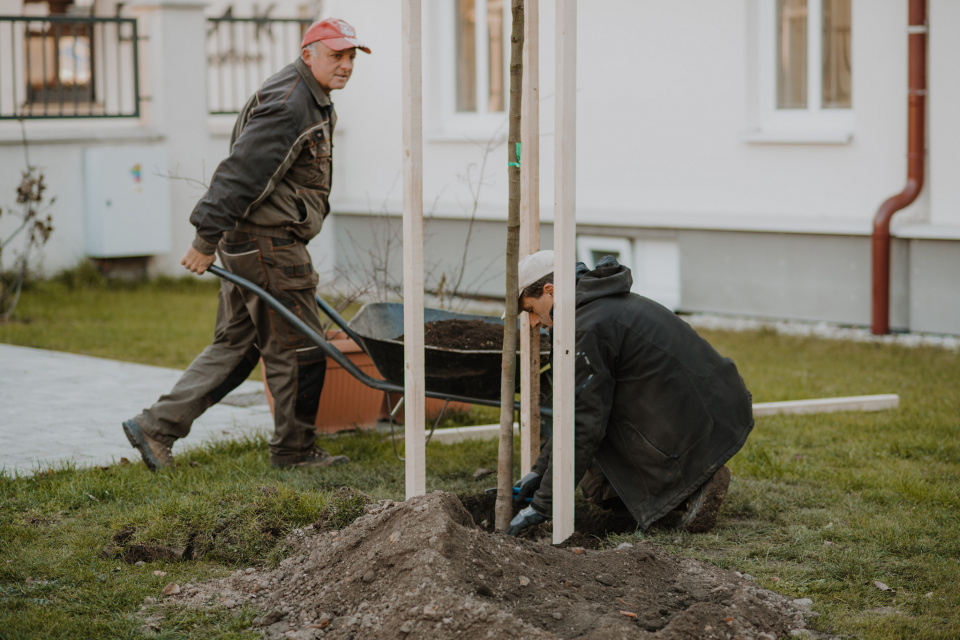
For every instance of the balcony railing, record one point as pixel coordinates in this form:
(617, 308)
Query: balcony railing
(68, 67)
(243, 52)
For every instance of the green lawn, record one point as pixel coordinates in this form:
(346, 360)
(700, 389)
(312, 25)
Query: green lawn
(164, 323)
(820, 506)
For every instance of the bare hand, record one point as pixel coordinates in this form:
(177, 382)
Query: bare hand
(197, 262)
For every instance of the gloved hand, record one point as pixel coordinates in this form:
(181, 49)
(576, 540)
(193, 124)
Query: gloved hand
(526, 486)
(526, 518)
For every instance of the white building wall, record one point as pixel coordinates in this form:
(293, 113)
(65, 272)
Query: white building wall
(667, 100)
(671, 133)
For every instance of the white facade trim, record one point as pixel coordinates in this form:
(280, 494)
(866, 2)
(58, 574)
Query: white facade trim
(54, 131)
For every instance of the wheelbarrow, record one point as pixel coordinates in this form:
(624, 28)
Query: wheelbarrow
(452, 375)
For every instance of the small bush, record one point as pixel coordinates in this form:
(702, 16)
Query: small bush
(84, 275)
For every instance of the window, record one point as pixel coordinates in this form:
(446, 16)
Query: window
(800, 47)
(465, 70)
(480, 52)
(243, 52)
(805, 70)
(58, 63)
(62, 62)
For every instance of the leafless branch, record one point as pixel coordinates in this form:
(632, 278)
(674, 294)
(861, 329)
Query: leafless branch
(32, 208)
(192, 181)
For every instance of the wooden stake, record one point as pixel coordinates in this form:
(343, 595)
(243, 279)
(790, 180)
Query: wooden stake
(565, 230)
(413, 355)
(828, 405)
(530, 233)
(504, 503)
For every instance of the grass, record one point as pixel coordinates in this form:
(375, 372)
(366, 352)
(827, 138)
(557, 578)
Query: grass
(165, 322)
(69, 538)
(820, 506)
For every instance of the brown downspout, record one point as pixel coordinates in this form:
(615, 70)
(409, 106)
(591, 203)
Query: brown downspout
(916, 132)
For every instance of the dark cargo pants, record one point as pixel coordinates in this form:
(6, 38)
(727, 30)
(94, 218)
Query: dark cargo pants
(598, 490)
(246, 330)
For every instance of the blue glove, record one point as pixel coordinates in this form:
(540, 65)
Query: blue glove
(526, 518)
(526, 486)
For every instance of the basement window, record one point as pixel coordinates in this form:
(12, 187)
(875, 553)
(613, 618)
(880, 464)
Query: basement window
(592, 249)
(653, 261)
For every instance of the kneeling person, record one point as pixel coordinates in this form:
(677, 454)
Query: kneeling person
(658, 411)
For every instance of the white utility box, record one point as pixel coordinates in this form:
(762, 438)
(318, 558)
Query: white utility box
(126, 201)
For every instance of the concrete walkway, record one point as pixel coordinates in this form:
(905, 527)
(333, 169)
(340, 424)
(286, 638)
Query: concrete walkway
(58, 407)
(61, 407)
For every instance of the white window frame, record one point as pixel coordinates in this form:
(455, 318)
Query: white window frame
(813, 125)
(442, 121)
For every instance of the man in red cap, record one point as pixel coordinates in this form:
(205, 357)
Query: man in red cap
(328, 49)
(266, 200)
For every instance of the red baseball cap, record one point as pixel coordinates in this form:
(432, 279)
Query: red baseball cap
(335, 33)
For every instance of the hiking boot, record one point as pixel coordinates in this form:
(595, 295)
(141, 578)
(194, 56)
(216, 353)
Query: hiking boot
(154, 453)
(701, 508)
(313, 458)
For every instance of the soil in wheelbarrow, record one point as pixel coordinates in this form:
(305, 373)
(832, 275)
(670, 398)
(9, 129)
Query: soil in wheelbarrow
(423, 568)
(469, 335)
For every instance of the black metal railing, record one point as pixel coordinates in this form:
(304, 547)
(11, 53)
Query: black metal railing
(68, 67)
(243, 52)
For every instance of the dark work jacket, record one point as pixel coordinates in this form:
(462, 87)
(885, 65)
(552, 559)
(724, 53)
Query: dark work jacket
(276, 180)
(659, 410)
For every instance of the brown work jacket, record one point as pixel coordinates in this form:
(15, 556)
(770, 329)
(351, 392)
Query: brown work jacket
(276, 180)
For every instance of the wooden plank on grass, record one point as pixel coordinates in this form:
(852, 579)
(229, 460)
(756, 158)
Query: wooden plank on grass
(828, 405)
(879, 402)
(565, 231)
(413, 354)
(476, 432)
(530, 233)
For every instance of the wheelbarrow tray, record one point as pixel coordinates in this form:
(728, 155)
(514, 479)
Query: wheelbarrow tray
(455, 372)
(454, 375)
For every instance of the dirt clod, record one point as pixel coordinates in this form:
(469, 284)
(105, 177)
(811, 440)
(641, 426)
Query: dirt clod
(438, 575)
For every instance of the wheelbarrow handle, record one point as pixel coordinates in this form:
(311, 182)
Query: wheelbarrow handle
(340, 322)
(305, 329)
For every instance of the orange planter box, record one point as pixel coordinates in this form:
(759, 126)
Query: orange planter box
(346, 403)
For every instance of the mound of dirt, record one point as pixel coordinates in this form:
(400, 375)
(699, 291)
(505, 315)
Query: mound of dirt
(423, 569)
(591, 523)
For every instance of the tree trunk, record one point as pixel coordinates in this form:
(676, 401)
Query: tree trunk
(504, 505)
